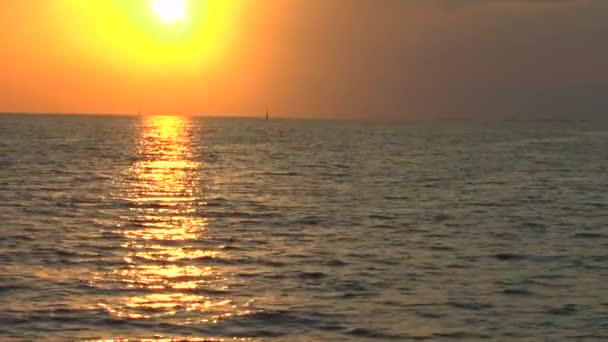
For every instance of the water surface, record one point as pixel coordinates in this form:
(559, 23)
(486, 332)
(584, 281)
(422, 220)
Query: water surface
(168, 227)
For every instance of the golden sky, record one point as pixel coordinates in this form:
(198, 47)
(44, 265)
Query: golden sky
(389, 58)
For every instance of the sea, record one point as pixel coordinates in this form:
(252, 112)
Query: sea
(170, 228)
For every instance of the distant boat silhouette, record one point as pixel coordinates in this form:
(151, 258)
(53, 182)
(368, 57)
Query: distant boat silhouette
(266, 114)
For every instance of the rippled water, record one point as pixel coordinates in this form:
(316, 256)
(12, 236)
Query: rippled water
(167, 228)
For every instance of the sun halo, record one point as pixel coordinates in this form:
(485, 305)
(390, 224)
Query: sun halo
(170, 11)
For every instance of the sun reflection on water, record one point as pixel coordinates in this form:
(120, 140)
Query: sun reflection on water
(169, 267)
(180, 340)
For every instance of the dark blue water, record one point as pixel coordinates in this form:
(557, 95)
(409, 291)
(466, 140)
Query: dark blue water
(292, 230)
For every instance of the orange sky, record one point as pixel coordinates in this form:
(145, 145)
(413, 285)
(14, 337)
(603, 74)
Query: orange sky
(389, 58)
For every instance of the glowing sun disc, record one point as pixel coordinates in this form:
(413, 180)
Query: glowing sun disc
(170, 11)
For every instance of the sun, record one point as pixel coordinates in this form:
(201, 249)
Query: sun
(170, 11)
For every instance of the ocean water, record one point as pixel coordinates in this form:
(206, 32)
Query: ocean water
(169, 228)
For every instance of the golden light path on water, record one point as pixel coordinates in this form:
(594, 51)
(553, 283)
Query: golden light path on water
(169, 266)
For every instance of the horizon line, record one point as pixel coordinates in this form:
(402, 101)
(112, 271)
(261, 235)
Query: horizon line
(445, 118)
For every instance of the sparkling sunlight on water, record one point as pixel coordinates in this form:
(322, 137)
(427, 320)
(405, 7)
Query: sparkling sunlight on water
(164, 231)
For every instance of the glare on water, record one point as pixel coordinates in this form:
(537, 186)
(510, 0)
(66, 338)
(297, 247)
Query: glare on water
(163, 254)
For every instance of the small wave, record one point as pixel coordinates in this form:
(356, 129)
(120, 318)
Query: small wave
(307, 221)
(396, 198)
(311, 275)
(590, 236)
(110, 235)
(442, 248)
(382, 217)
(7, 288)
(336, 263)
(564, 310)
(590, 336)
(509, 256)
(281, 174)
(428, 315)
(383, 226)
(280, 320)
(435, 217)
(373, 333)
(470, 305)
(272, 263)
(517, 292)
(235, 214)
(462, 335)
(247, 221)
(535, 225)
(350, 286)
(213, 202)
